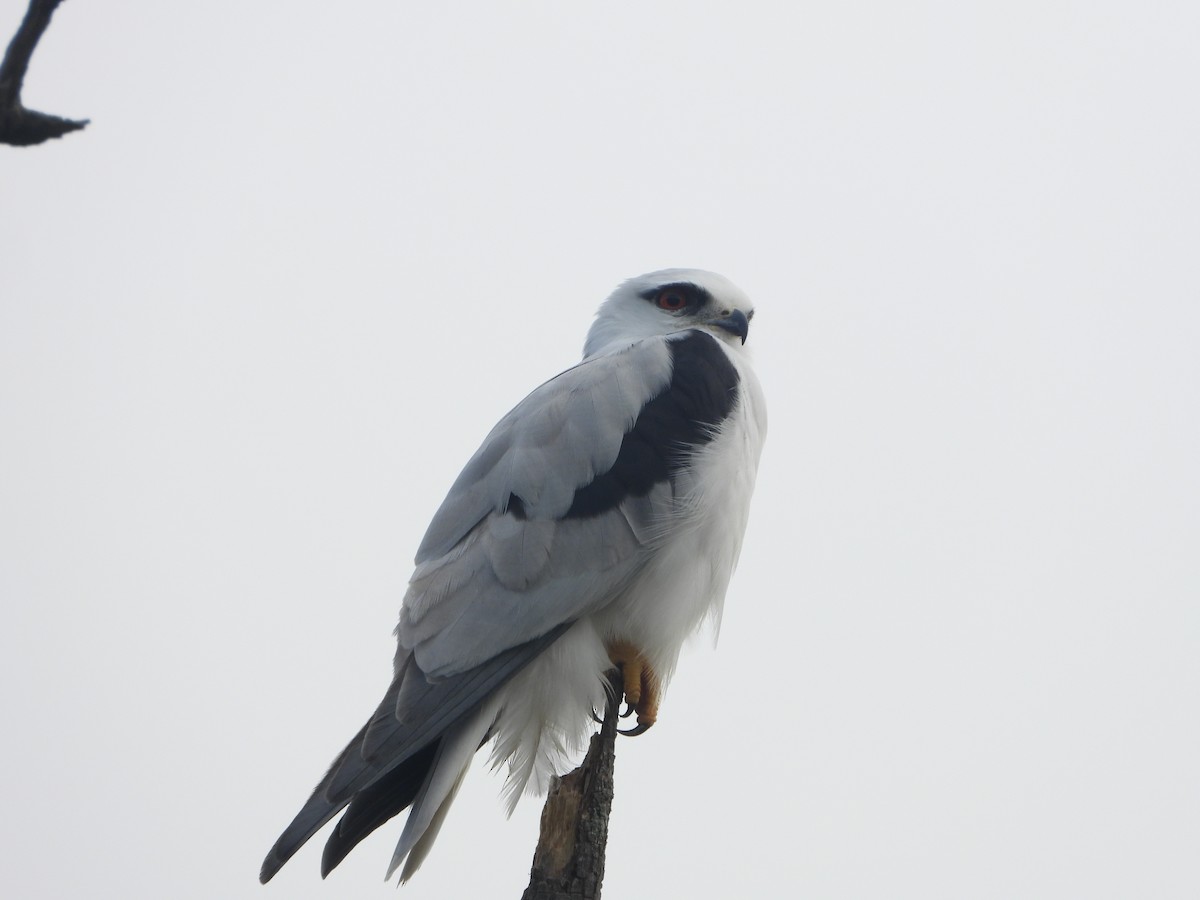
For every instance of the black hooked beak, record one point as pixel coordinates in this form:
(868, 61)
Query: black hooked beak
(735, 323)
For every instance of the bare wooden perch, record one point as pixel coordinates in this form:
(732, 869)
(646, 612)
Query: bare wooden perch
(19, 126)
(568, 863)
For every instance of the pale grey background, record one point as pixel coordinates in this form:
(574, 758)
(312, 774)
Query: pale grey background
(255, 318)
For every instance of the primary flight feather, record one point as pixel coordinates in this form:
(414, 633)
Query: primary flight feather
(596, 528)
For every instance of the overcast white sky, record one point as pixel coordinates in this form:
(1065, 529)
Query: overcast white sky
(255, 318)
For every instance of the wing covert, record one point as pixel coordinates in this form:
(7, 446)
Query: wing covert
(552, 443)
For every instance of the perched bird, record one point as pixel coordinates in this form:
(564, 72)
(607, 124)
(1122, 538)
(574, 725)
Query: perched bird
(596, 528)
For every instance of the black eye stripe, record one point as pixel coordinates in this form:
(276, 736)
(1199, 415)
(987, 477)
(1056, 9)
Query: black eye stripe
(694, 295)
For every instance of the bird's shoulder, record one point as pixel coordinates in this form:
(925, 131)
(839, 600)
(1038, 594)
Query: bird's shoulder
(558, 439)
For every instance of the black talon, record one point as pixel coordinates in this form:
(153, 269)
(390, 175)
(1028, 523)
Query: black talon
(628, 711)
(639, 728)
(596, 718)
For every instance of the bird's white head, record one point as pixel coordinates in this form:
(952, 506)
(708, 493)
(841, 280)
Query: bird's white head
(670, 301)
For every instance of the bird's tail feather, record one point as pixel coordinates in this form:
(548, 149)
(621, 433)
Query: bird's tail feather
(372, 807)
(445, 776)
(347, 779)
(412, 750)
(424, 843)
(316, 812)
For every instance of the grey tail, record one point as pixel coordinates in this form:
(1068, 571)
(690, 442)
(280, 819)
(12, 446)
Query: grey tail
(412, 752)
(383, 800)
(369, 808)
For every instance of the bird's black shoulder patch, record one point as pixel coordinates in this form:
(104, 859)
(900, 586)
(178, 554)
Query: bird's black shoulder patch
(700, 396)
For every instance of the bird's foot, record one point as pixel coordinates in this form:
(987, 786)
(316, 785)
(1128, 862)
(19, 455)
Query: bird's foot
(640, 686)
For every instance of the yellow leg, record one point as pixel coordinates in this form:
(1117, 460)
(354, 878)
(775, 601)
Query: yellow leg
(639, 683)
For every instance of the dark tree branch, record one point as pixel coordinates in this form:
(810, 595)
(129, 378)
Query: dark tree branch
(19, 126)
(568, 863)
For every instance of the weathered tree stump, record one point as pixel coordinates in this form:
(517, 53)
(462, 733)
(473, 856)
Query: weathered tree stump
(568, 863)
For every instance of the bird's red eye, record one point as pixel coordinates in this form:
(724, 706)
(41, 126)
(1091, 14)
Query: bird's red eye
(672, 301)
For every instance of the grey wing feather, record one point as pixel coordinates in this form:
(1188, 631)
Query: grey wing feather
(553, 442)
(487, 578)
